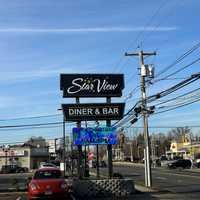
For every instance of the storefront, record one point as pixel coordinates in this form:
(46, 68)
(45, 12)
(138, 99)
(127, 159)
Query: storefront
(23, 156)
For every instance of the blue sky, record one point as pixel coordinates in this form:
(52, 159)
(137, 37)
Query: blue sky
(41, 39)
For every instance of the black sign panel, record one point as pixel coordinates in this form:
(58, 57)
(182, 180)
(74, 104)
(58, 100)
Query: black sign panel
(92, 85)
(92, 112)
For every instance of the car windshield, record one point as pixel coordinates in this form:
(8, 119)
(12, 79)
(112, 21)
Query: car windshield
(48, 165)
(49, 174)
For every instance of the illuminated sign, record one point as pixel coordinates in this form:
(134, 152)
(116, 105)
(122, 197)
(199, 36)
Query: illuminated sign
(92, 136)
(92, 85)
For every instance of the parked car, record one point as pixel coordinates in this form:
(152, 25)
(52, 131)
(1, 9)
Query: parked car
(127, 159)
(45, 165)
(102, 163)
(197, 162)
(48, 183)
(55, 162)
(181, 163)
(6, 169)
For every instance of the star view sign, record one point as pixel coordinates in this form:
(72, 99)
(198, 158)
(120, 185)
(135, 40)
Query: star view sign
(92, 85)
(92, 112)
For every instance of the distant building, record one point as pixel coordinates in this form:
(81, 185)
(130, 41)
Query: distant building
(24, 155)
(184, 149)
(52, 146)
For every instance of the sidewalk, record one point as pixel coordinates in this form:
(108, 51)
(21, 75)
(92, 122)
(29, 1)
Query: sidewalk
(129, 164)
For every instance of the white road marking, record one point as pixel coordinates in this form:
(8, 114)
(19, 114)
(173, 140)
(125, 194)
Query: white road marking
(72, 197)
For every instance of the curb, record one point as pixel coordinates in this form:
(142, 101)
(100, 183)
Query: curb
(12, 190)
(142, 188)
(129, 164)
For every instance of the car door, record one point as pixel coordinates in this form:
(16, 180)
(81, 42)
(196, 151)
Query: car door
(179, 163)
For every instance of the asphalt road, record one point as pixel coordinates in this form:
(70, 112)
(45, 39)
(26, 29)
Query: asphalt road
(165, 180)
(11, 181)
(172, 184)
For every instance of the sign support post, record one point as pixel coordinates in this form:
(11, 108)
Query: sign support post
(97, 152)
(64, 146)
(79, 167)
(109, 146)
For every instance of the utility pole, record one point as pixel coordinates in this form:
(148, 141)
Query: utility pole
(143, 70)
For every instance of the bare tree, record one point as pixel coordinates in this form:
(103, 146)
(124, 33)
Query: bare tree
(179, 133)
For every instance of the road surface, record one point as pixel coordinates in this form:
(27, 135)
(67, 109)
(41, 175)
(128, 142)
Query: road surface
(165, 180)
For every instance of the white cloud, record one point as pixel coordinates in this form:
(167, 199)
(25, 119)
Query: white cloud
(87, 30)
(24, 75)
(38, 74)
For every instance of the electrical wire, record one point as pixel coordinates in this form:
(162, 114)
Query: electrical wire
(138, 36)
(181, 69)
(177, 106)
(178, 97)
(179, 59)
(30, 128)
(31, 117)
(152, 98)
(174, 88)
(30, 125)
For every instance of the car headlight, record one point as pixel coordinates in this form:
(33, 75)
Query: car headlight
(64, 186)
(34, 186)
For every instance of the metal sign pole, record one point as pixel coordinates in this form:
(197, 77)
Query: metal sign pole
(79, 167)
(64, 146)
(97, 148)
(109, 147)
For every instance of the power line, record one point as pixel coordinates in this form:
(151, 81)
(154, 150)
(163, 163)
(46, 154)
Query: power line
(179, 59)
(157, 26)
(152, 98)
(164, 127)
(31, 117)
(185, 104)
(181, 69)
(23, 142)
(174, 88)
(180, 96)
(30, 125)
(29, 128)
(144, 29)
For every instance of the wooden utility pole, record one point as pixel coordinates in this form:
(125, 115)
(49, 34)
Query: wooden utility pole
(141, 54)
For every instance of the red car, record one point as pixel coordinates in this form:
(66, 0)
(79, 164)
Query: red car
(48, 183)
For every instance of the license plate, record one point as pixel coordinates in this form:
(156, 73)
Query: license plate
(48, 192)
